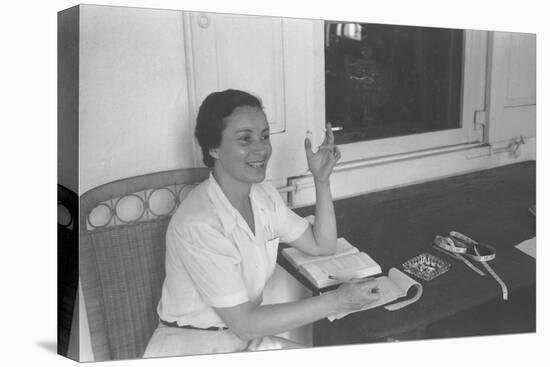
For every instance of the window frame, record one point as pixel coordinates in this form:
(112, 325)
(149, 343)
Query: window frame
(473, 99)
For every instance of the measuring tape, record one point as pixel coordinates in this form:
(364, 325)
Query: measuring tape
(459, 244)
(447, 246)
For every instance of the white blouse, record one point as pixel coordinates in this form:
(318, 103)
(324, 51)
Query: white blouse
(212, 257)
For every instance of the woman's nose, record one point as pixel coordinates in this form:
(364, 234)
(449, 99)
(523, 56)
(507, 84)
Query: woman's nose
(262, 147)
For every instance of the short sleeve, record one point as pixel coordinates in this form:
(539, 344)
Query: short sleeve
(213, 264)
(289, 226)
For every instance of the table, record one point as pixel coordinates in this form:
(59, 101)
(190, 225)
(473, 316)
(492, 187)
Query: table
(392, 226)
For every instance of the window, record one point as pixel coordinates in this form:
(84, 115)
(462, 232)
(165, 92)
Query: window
(417, 87)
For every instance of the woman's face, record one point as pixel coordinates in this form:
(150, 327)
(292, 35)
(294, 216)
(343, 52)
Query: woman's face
(245, 147)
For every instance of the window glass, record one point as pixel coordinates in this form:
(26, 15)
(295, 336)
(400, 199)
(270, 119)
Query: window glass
(386, 80)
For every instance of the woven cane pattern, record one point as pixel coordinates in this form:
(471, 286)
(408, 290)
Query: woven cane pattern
(64, 216)
(122, 249)
(140, 206)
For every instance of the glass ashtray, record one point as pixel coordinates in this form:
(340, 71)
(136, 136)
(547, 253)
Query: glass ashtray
(426, 266)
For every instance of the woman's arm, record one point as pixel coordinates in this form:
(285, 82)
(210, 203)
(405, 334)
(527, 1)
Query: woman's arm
(321, 240)
(249, 320)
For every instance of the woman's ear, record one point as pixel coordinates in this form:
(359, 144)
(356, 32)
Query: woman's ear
(214, 153)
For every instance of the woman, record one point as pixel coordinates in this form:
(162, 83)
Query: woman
(221, 244)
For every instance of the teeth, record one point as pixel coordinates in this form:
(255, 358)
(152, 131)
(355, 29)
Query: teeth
(256, 165)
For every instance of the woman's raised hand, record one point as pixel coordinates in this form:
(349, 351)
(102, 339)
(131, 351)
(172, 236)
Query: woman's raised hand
(323, 161)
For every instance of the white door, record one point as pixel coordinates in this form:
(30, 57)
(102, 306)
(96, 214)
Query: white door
(512, 99)
(277, 59)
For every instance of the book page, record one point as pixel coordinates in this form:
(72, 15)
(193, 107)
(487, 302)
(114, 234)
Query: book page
(298, 258)
(356, 265)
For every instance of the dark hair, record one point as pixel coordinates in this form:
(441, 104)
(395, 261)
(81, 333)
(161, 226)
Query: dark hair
(211, 118)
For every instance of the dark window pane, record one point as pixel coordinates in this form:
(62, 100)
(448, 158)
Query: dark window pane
(386, 80)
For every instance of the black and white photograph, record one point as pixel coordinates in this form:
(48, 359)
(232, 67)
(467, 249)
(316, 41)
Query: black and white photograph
(236, 184)
(253, 183)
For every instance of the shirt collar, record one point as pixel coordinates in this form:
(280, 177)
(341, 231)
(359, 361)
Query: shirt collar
(229, 216)
(226, 212)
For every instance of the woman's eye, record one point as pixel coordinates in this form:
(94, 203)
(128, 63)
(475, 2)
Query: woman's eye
(265, 137)
(245, 138)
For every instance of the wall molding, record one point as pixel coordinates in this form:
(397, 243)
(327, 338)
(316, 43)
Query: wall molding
(377, 175)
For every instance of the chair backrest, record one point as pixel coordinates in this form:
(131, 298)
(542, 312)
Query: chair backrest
(67, 264)
(122, 248)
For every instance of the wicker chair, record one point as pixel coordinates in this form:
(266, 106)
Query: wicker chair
(122, 249)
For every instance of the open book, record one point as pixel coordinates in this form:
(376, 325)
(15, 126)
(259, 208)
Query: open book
(347, 262)
(392, 287)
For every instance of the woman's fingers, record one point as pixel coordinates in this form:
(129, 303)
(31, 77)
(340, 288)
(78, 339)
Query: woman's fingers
(329, 134)
(328, 141)
(307, 146)
(337, 154)
(324, 159)
(327, 147)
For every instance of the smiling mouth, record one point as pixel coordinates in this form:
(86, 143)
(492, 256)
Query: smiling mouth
(257, 164)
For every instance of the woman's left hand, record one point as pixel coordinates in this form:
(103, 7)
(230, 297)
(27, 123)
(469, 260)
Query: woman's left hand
(323, 161)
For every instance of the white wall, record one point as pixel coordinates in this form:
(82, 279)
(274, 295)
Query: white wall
(133, 115)
(133, 94)
(67, 124)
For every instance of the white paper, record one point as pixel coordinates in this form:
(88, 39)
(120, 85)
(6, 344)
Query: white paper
(391, 287)
(529, 247)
